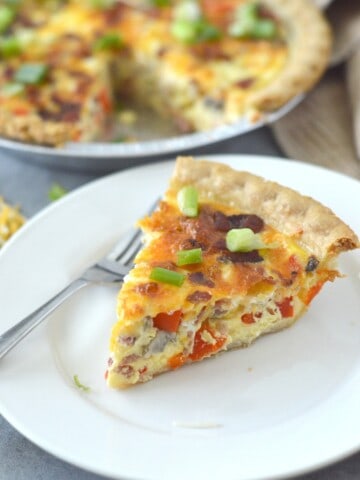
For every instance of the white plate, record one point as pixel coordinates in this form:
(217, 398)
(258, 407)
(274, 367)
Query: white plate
(287, 405)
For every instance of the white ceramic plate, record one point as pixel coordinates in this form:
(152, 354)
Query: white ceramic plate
(287, 405)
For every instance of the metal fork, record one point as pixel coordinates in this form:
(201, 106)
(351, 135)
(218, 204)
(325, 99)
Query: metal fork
(110, 269)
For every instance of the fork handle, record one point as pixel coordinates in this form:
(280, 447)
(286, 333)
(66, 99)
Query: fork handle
(15, 334)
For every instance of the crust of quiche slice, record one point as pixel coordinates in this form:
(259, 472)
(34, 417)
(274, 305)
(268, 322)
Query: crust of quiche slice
(230, 298)
(310, 41)
(313, 225)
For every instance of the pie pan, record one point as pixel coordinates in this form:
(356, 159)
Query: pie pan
(155, 143)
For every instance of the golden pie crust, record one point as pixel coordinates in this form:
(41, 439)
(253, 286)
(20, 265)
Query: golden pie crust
(314, 226)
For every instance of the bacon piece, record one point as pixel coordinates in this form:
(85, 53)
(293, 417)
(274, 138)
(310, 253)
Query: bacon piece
(149, 289)
(198, 278)
(199, 296)
(245, 83)
(241, 257)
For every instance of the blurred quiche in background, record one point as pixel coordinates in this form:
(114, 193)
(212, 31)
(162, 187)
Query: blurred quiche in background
(65, 66)
(10, 221)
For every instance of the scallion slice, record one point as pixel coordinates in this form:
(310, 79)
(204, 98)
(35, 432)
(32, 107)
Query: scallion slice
(164, 275)
(110, 41)
(244, 240)
(79, 385)
(160, 3)
(264, 29)
(187, 10)
(7, 16)
(248, 24)
(56, 192)
(101, 4)
(12, 89)
(10, 47)
(189, 257)
(31, 73)
(188, 201)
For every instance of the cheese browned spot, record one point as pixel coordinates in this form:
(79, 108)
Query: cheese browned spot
(230, 298)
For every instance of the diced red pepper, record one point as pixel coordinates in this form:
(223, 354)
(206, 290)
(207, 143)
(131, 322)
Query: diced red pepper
(168, 321)
(202, 348)
(248, 318)
(21, 111)
(313, 291)
(286, 308)
(295, 266)
(105, 100)
(176, 361)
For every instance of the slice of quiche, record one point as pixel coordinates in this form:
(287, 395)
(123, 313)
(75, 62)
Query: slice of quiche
(228, 257)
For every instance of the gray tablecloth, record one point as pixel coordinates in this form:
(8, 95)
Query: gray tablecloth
(28, 185)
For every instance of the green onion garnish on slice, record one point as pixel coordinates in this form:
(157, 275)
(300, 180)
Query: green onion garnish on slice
(110, 41)
(56, 192)
(243, 240)
(164, 275)
(188, 201)
(80, 385)
(188, 257)
(7, 16)
(10, 47)
(31, 73)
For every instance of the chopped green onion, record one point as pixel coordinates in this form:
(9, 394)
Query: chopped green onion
(80, 385)
(160, 3)
(207, 31)
(188, 257)
(56, 192)
(10, 47)
(247, 12)
(248, 24)
(188, 202)
(7, 16)
(101, 4)
(164, 275)
(189, 25)
(110, 41)
(264, 29)
(31, 73)
(189, 31)
(187, 10)
(184, 30)
(12, 89)
(243, 240)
